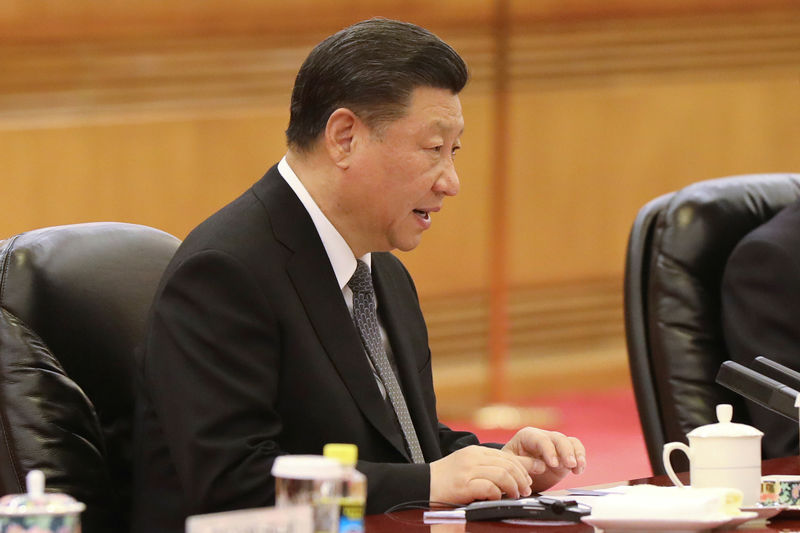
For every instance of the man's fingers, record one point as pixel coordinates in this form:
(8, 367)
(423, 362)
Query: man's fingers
(547, 455)
(532, 465)
(555, 449)
(580, 455)
(483, 489)
(499, 477)
(540, 444)
(512, 464)
(565, 447)
(455, 478)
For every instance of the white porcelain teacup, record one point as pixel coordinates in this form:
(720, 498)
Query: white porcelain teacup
(724, 454)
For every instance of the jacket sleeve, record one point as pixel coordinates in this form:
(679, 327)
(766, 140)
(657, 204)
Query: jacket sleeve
(212, 367)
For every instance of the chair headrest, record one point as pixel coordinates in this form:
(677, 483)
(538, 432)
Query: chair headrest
(704, 221)
(85, 290)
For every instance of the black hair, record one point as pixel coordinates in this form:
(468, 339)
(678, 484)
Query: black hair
(371, 68)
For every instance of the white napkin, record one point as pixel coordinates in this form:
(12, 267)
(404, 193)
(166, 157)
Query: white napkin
(667, 503)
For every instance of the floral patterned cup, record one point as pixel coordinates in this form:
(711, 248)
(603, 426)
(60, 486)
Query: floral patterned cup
(780, 490)
(37, 512)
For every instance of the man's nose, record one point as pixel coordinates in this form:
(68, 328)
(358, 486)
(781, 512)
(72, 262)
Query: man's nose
(448, 182)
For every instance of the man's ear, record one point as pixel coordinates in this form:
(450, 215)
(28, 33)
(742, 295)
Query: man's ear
(339, 134)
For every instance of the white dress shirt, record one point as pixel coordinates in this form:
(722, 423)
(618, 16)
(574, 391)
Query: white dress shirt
(339, 253)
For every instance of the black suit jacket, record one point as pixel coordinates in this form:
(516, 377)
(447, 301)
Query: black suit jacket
(251, 353)
(761, 312)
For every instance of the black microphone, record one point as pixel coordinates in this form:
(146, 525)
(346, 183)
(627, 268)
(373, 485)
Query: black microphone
(759, 388)
(778, 372)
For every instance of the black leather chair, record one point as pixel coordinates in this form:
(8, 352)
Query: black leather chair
(73, 305)
(677, 251)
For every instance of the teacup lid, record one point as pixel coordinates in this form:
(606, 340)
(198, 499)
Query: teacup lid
(37, 502)
(725, 428)
(306, 467)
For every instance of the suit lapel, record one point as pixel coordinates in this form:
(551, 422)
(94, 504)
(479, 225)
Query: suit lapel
(315, 283)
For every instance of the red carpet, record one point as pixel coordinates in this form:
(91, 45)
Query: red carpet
(608, 425)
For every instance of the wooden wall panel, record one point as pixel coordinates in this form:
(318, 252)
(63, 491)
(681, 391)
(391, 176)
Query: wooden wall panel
(37, 20)
(585, 160)
(44, 20)
(168, 174)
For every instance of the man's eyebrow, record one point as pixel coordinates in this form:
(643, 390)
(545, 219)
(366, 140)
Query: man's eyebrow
(443, 126)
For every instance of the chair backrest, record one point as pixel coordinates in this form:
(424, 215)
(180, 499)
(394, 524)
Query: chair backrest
(676, 256)
(73, 304)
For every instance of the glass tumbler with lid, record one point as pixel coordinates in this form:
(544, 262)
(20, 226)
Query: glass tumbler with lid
(310, 480)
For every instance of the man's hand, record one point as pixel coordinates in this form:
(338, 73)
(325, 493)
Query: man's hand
(478, 473)
(547, 455)
(533, 460)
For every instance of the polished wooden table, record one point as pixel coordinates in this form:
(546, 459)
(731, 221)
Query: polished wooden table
(412, 520)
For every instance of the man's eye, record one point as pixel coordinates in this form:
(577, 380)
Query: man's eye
(438, 149)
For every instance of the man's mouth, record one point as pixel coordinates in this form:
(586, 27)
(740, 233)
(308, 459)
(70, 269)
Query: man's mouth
(423, 214)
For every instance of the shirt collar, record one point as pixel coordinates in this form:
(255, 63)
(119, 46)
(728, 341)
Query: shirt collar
(339, 253)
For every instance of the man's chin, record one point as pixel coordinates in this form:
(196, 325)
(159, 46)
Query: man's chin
(408, 245)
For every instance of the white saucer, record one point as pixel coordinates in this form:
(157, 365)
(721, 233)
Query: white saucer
(681, 525)
(747, 515)
(765, 511)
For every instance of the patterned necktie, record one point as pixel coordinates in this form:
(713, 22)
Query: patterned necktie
(366, 320)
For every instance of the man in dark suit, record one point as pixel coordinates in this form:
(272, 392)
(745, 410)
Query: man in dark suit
(761, 313)
(252, 351)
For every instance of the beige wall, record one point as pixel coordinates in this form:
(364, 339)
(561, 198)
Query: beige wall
(585, 159)
(161, 113)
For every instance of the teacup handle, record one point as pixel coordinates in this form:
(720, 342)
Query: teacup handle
(668, 449)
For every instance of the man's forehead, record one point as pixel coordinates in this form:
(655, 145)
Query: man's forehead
(436, 110)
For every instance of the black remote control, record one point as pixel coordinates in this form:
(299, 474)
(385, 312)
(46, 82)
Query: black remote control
(538, 508)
